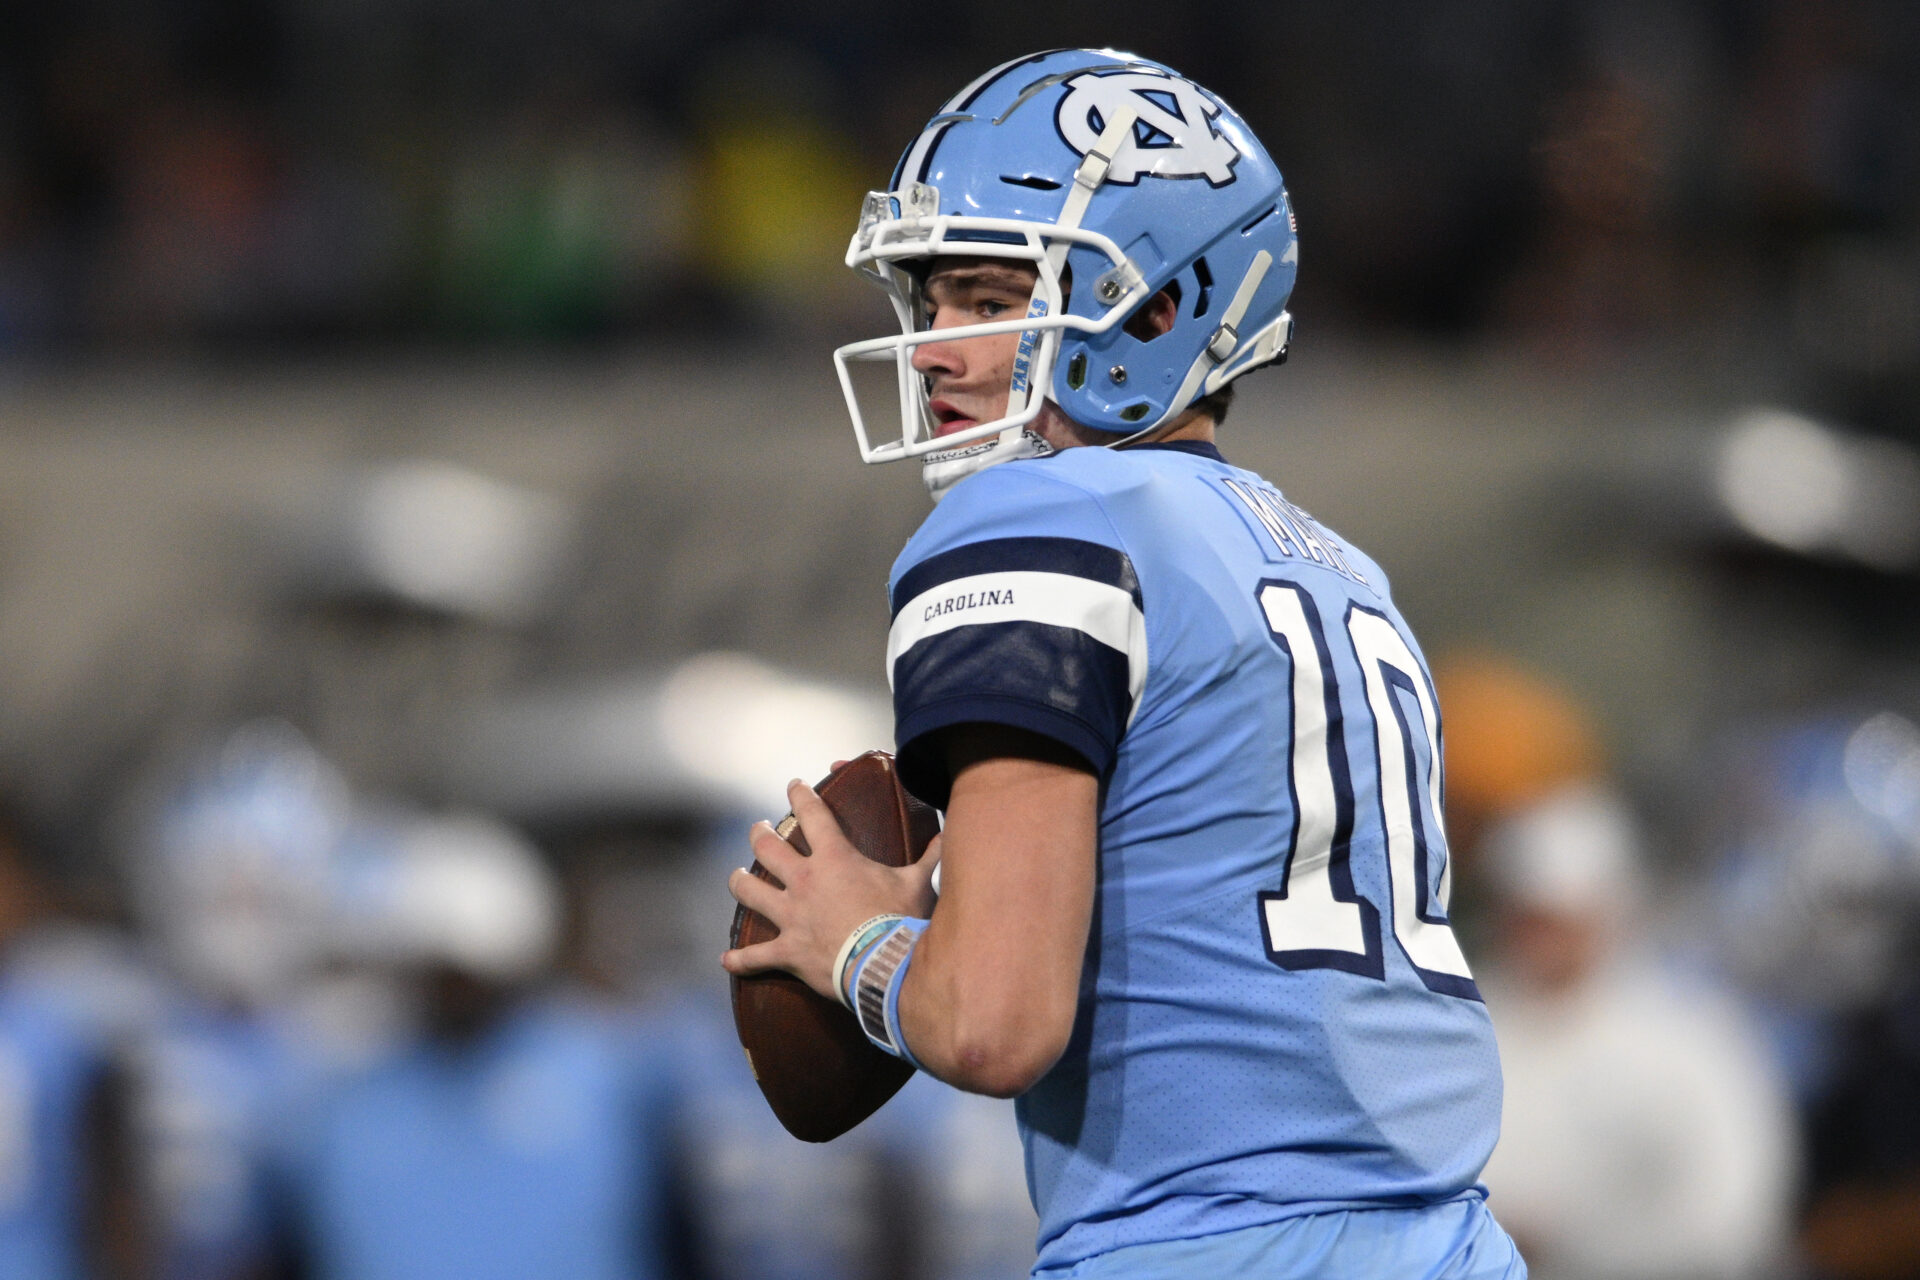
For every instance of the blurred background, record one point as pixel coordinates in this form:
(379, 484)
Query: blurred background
(429, 534)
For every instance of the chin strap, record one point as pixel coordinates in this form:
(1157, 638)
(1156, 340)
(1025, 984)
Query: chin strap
(942, 471)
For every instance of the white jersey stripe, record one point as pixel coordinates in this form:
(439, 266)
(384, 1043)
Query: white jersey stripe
(1106, 613)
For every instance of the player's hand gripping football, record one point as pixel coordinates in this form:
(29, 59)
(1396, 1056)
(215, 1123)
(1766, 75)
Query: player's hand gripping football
(825, 897)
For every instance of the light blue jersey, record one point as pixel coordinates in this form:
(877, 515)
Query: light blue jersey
(958, 1160)
(49, 1066)
(533, 1151)
(208, 1087)
(1274, 1018)
(759, 1202)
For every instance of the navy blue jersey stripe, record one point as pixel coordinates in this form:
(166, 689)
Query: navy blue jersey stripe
(1072, 556)
(923, 766)
(1055, 681)
(1198, 448)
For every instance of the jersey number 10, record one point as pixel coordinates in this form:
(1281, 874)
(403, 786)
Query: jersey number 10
(1316, 919)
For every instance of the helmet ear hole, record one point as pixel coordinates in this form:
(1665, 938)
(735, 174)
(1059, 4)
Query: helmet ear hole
(1135, 412)
(1077, 371)
(1156, 316)
(1202, 276)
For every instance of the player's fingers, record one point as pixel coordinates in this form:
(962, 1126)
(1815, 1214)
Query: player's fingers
(928, 865)
(775, 854)
(923, 878)
(755, 894)
(761, 957)
(822, 828)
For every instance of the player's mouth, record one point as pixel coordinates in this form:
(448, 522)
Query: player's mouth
(947, 418)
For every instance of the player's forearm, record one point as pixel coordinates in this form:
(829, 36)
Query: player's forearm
(989, 1002)
(968, 1026)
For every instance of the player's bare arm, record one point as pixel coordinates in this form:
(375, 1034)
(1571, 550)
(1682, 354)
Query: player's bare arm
(990, 1001)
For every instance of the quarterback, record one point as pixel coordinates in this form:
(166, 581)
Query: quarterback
(1193, 899)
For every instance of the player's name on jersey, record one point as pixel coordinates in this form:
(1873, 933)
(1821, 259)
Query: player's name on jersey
(1291, 531)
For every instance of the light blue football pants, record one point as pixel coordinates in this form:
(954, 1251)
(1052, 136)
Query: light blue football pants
(1458, 1240)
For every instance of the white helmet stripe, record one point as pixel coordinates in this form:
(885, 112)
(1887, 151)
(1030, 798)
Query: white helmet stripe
(914, 164)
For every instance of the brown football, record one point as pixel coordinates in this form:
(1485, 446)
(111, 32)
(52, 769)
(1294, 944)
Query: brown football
(820, 1075)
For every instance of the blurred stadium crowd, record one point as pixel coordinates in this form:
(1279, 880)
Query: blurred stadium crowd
(223, 173)
(420, 559)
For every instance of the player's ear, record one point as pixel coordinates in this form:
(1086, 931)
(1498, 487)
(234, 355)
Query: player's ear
(1154, 317)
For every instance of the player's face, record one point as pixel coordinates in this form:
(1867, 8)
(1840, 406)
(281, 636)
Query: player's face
(967, 380)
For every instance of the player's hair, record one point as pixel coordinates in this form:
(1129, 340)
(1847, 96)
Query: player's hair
(1216, 405)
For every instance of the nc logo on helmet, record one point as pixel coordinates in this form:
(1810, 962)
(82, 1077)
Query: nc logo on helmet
(1173, 138)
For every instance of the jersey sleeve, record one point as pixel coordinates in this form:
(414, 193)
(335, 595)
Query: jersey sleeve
(1016, 604)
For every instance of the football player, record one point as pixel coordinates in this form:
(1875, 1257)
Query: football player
(1193, 909)
(518, 1133)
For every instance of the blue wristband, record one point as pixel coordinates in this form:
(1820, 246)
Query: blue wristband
(877, 984)
(856, 948)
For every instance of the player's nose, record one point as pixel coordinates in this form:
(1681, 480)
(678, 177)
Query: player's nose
(938, 357)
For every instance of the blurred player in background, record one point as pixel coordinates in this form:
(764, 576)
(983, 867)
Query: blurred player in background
(232, 881)
(752, 1200)
(747, 1199)
(1817, 903)
(519, 1133)
(60, 1217)
(957, 1157)
(1193, 909)
(1633, 1096)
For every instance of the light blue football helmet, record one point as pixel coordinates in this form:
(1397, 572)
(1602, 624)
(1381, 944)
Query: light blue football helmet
(1116, 178)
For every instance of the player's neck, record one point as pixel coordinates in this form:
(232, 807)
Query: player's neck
(1063, 433)
(1194, 424)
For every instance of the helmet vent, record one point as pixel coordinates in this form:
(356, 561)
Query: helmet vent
(1270, 211)
(1135, 412)
(1203, 275)
(1077, 371)
(1033, 180)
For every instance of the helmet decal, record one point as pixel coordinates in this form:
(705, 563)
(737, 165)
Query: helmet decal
(1173, 136)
